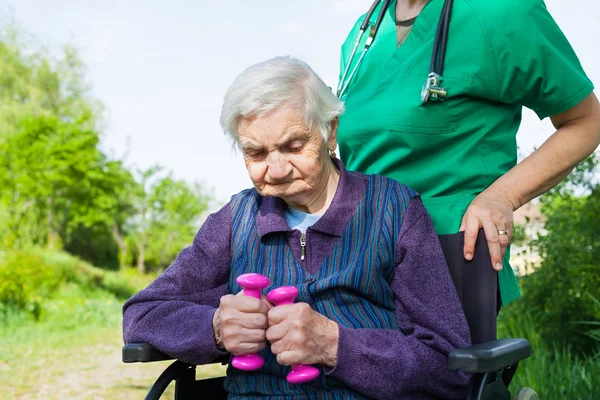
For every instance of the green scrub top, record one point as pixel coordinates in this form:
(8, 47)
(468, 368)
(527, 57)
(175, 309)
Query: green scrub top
(501, 56)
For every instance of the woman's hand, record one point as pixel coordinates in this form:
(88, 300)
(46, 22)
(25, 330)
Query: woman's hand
(300, 335)
(240, 324)
(494, 213)
(577, 136)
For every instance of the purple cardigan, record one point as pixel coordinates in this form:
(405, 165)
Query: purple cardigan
(175, 312)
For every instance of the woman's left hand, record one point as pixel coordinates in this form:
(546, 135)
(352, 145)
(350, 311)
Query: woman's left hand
(494, 213)
(300, 335)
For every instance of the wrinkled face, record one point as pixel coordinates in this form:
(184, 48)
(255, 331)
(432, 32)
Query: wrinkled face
(284, 157)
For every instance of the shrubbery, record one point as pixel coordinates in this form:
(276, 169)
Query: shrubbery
(554, 371)
(560, 294)
(30, 278)
(25, 280)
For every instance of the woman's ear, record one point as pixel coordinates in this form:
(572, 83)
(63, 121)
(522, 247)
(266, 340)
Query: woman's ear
(332, 141)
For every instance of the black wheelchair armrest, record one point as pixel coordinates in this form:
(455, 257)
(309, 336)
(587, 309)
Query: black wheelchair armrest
(489, 356)
(182, 373)
(142, 352)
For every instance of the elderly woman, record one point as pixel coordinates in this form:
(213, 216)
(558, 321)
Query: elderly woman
(376, 310)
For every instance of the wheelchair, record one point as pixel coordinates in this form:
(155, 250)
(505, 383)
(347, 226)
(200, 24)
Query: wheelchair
(493, 362)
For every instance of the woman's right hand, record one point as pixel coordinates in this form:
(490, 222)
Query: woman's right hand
(240, 324)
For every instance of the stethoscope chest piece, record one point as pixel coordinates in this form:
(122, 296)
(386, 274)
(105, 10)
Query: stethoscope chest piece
(432, 89)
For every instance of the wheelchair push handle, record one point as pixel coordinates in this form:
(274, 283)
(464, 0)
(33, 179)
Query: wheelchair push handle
(300, 373)
(253, 284)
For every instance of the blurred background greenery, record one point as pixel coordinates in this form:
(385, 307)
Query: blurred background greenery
(81, 231)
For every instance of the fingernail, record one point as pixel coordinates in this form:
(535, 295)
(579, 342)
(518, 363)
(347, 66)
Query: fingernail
(469, 256)
(498, 266)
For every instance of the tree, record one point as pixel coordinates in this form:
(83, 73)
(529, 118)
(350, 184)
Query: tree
(177, 208)
(105, 226)
(33, 83)
(47, 118)
(58, 189)
(168, 213)
(561, 290)
(54, 177)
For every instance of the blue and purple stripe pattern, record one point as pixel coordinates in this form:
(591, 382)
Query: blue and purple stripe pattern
(351, 287)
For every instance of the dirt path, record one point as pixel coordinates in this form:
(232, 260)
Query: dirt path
(78, 366)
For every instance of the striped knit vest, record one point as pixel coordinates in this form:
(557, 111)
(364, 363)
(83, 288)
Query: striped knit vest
(352, 286)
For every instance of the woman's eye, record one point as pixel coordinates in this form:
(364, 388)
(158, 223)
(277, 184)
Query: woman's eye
(254, 153)
(294, 147)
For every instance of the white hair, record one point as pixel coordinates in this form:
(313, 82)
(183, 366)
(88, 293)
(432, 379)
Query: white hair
(280, 81)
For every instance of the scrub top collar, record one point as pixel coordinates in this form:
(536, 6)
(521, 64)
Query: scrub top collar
(424, 26)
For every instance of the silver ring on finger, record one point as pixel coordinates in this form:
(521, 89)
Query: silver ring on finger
(502, 232)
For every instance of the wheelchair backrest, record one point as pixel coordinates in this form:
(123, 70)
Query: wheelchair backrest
(476, 283)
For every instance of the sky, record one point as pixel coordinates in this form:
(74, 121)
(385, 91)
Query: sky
(161, 68)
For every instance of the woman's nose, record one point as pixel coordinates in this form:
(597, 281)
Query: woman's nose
(279, 167)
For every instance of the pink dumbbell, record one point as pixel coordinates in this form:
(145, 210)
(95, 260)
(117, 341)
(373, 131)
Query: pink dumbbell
(300, 373)
(253, 285)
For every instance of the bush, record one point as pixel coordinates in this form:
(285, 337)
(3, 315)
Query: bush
(553, 371)
(89, 278)
(556, 297)
(30, 279)
(593, 327)
(25, 281)
(562, 289)
(119, 285)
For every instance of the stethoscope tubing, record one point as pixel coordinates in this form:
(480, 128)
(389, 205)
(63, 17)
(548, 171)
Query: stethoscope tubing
(440, 43)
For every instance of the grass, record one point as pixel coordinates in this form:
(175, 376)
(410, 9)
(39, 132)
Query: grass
(553, 372)
(74, 353)
(70, 348)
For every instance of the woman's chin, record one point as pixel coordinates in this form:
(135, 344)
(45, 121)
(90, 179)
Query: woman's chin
(287, 192)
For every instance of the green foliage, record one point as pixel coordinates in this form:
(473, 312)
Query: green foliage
(553, 371)
(94, 244)
(25, 281)
(91, 279)
(34, 83)
(519, 236)
(71, 308)
(49, 171)
(556, 294)
(592, 327)
(32, 280)
(175, 211)
(59, 190)
(167, 217)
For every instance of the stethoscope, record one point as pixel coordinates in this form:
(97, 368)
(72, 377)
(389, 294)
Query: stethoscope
(432, 89)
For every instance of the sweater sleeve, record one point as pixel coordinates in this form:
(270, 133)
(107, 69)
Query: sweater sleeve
(174, 313)
(411, 363)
